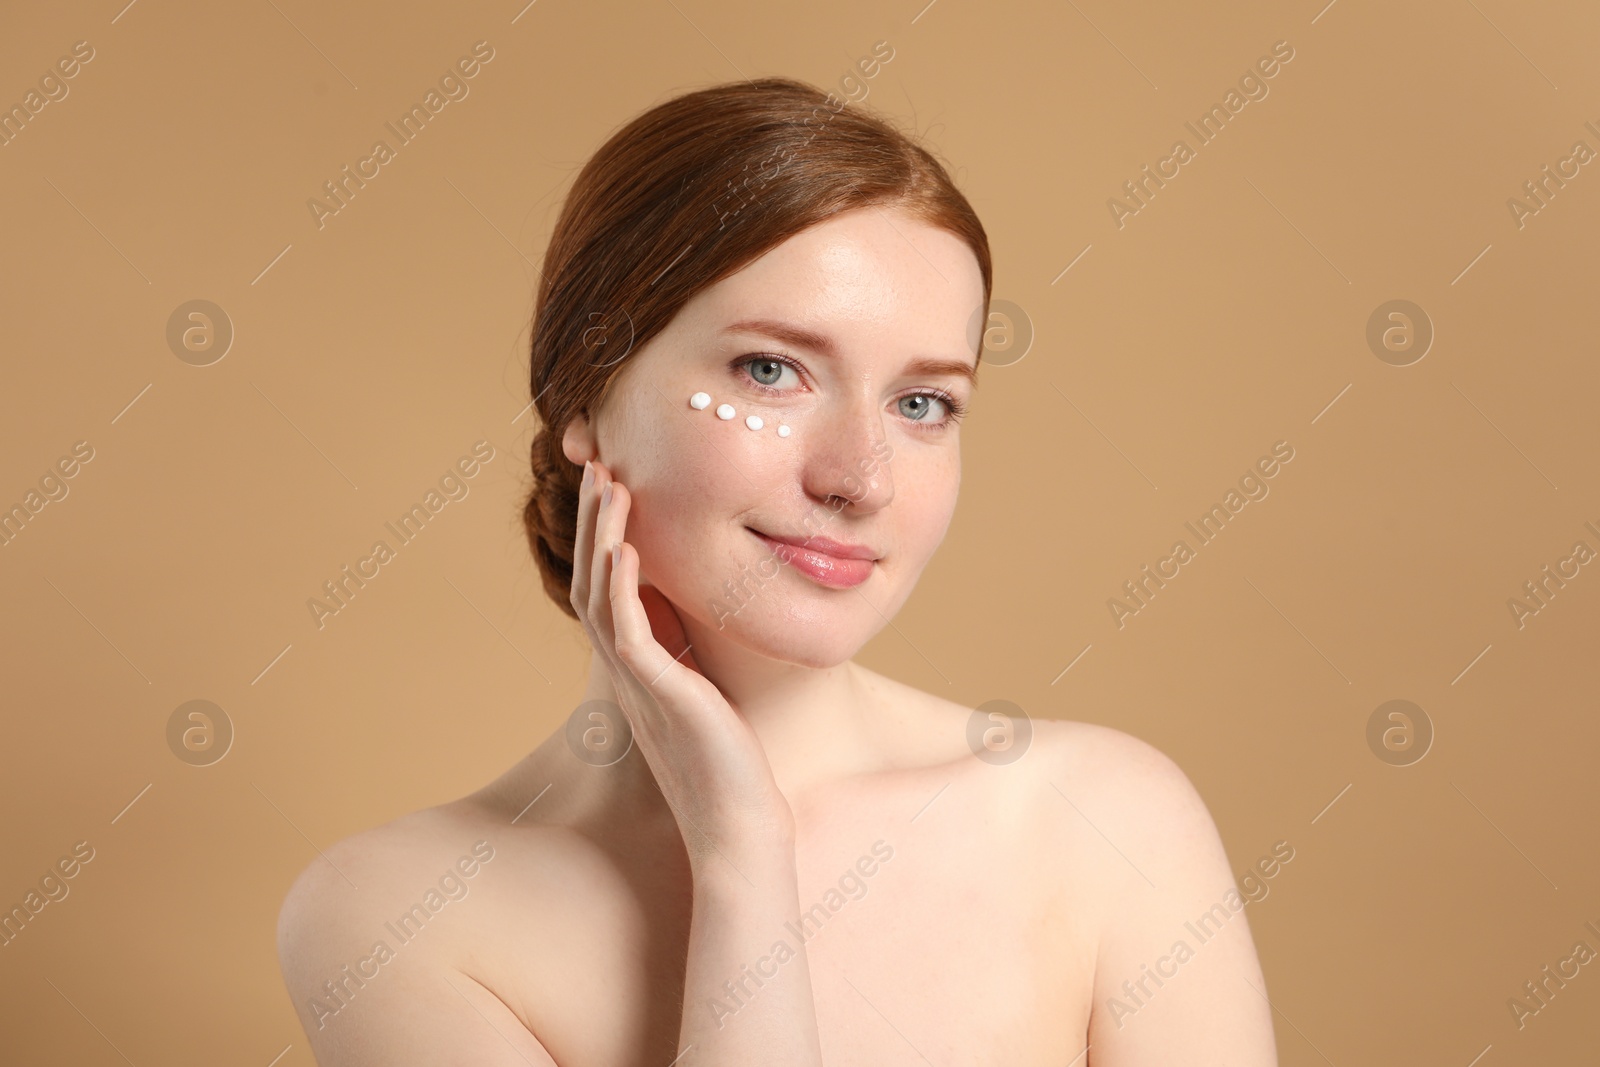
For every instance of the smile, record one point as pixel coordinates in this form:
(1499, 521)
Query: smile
(822, 567)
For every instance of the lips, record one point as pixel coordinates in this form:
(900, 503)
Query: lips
(825, 561)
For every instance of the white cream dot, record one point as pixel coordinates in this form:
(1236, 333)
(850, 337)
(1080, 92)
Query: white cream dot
(753, 421)
(724, 411)
(783, 431)
(700, 401)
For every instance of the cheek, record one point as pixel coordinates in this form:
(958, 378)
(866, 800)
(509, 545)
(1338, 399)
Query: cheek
(758, 451)
(729, 462)
(926, 490)
(928, 517)
(692, 477)
(711, 465)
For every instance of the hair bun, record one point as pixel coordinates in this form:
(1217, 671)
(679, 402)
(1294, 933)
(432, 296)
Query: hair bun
(550, 516)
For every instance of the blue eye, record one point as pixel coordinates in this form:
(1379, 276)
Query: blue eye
(919, 413)
(765, 370)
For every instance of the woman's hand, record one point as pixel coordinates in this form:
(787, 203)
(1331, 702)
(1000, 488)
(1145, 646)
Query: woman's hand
(709, 764)
(712, 770)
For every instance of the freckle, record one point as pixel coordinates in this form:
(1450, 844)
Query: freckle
(724, 411)
(753, 421)
(700, 401)
(783, 431)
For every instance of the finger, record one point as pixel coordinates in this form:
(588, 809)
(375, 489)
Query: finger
(623, 617)
(583, 544)
(608, 521)
(645, 658)
(610, 526)
(592, 548)
(634, 672)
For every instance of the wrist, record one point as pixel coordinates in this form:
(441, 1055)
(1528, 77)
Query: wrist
(765, 836)
(765, 860)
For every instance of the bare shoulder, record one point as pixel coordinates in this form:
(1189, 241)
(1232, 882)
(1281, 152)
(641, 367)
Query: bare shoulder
(1115, 811)
(1117, 767)
(1133, 811)
(338, 903)
(374, 926)
(1081, 757)
(1102, 784)
(358, 871)
(1173, 934)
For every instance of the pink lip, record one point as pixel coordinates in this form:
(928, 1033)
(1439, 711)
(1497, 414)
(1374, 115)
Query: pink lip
(827, 562)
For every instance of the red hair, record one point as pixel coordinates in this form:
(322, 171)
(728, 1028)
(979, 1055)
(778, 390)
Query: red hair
(681, 197)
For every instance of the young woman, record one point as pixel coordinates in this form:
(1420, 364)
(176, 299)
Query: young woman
(755, 336)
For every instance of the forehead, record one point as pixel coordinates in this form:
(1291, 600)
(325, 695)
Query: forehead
(857, 274)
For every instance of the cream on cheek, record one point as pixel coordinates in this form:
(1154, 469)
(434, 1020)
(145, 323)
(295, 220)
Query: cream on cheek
(729, 457)
(759, 449)
(727, 413)
(693, 478)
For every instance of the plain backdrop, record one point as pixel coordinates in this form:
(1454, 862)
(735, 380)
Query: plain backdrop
(1145, 360)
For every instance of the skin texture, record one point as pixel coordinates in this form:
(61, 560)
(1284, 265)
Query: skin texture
(969, 913)
(698, 481)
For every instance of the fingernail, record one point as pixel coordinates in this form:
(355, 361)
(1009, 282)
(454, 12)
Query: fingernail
(605, 497)
(616, 554)
(588, 474)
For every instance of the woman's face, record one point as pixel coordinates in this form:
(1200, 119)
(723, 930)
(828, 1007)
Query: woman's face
(875, 313)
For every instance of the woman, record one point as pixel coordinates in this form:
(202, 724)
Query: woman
(754, 336)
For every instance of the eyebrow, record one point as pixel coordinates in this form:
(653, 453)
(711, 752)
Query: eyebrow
(801, 337)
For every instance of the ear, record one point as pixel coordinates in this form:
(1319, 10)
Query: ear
(578, 442)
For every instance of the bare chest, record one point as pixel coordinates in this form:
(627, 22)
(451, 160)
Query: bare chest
(932, 936)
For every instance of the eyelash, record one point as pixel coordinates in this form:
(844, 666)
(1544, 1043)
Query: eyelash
(952, 405)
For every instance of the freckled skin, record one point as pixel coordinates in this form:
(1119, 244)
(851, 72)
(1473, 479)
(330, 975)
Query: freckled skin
(887, 288)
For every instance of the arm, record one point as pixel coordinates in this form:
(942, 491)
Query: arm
(366, 996)
(737, 826)
(747, 989)
(407, 1006)
(416, 1006)
(1177, 979)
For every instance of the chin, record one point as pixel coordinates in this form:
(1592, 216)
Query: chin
(809, 628)
(819, 646)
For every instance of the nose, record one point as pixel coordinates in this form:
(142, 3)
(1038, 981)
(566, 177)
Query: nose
(847, 457)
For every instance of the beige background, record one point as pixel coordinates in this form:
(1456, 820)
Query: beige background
(1230, 313)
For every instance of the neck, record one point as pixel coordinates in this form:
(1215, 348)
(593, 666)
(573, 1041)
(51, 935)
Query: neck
(814, 723)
